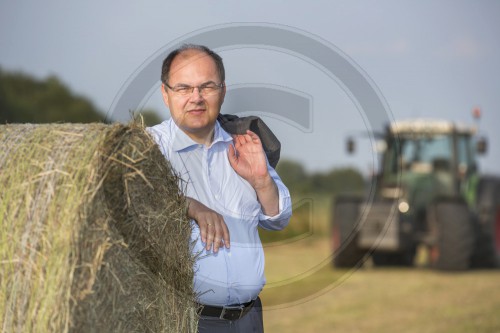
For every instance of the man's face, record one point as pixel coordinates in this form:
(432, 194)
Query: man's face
(194, 114)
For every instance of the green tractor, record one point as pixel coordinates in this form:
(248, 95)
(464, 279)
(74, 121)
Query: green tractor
(428, 193)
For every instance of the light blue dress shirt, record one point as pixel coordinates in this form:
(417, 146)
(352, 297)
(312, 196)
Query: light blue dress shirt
(234, 275)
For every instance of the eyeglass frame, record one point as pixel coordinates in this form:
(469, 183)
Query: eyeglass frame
(199, 87)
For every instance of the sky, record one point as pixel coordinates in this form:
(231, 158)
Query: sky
(421, 59)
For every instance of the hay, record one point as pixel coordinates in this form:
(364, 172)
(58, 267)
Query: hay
(93, 233)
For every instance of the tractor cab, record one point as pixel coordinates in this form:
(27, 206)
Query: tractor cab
(438, 154)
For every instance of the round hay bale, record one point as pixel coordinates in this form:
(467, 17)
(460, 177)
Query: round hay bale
(93, 232)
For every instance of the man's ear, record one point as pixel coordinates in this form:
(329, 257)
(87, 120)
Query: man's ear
(223, 93)
(164, 94)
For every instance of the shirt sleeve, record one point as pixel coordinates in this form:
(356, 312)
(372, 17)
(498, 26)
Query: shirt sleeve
(280, 220)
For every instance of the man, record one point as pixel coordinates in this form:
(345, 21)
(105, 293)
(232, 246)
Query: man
(230, 186)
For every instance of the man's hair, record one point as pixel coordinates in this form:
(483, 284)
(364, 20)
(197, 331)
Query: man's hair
(167, 63)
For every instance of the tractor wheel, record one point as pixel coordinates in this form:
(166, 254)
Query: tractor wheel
(487, 246)
(454, 243)
(346, 254)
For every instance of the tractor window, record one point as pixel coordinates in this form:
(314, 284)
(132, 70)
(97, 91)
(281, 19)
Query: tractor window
(425, 154)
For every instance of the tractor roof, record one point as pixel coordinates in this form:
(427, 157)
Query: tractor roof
(430, 126)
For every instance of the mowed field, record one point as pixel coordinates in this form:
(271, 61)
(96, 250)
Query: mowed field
(304, 293)
(370, 299)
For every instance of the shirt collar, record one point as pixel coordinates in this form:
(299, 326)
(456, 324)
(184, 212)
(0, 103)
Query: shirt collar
(182, 141)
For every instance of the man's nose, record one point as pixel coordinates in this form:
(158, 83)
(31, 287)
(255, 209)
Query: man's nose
(196, 95)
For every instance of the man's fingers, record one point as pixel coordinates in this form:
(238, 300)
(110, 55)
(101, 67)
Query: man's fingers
(210, 236)
(203, 233)
(215, 234)
(225, 235)
(221, 236)
(216, 244)
(216, 239)
(242, 139)
(253, 136)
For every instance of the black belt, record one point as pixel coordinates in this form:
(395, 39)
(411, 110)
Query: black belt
(230, 312)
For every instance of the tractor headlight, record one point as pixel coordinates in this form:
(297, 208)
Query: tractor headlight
(403, 206)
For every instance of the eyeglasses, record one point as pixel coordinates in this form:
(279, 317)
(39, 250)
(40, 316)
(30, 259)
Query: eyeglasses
(205, 89)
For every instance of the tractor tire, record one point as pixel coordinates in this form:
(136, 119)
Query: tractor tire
(487, 246)
(454, 243)
(346, 215)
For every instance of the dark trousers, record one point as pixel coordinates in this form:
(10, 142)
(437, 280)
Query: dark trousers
(250, 323)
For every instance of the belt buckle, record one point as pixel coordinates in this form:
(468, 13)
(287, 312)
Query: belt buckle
(226, 311)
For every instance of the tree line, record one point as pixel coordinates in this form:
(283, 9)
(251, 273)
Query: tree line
(25, 99)
(333, 181)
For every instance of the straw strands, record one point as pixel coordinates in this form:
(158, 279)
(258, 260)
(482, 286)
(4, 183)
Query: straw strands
(93, 232)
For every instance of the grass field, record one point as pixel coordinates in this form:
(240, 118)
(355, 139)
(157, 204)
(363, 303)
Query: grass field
(304, 293)
(322, 299)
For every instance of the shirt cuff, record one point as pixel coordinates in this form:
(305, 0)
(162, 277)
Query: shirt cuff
(280, 220)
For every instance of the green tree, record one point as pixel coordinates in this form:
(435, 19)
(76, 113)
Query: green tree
(293, 175)
(24, 99)
(342, 180)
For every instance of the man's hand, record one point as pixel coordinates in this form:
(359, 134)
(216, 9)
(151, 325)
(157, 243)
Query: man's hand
(248, 159)
(213, 229)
